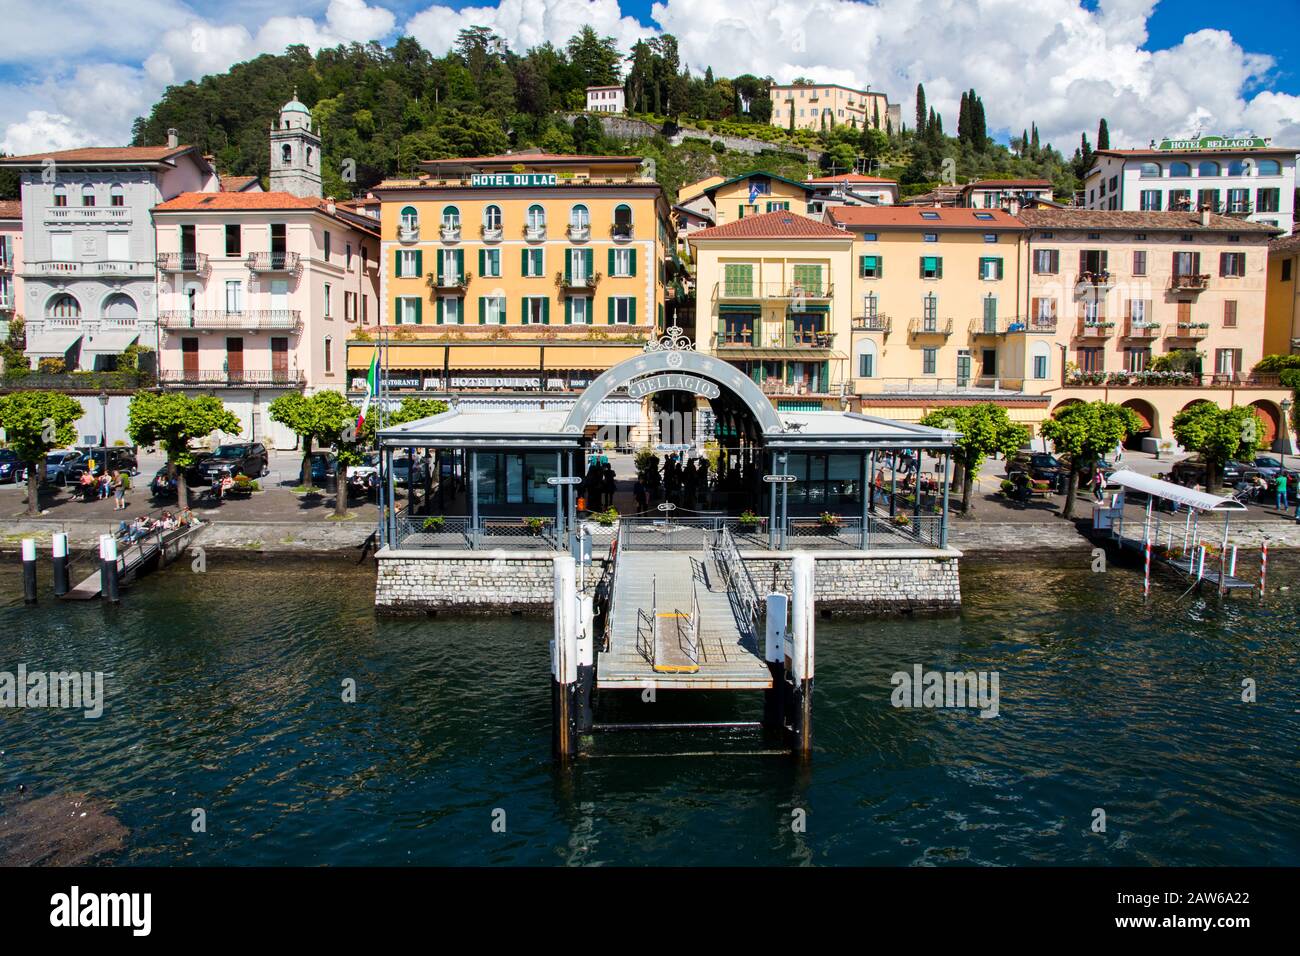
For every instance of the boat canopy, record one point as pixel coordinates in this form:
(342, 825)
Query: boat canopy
(1158, 488)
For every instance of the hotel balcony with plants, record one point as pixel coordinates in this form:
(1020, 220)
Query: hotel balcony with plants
(234, 378)
(577, 282)
(1187, 331)
(793, 290)
(1094, 325)
(1189, 282)
(1142, 329)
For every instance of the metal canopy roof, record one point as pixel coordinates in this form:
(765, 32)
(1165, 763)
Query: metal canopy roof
(1158, 488)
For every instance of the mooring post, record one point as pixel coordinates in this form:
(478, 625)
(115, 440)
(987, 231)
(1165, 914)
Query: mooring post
(60, 548)
(800, 649)
(29, 570)
(564, 657)
(774, 654)
(1263, 567)
(586, 647)
(108, 579)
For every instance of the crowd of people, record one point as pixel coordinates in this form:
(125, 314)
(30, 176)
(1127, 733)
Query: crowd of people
(685, 484)
(98, 486)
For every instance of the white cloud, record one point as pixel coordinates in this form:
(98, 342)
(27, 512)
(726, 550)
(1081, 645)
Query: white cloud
(1046, 61)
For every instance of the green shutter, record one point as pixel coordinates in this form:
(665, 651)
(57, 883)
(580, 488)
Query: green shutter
(742, 210)
(397, 263)
(568, 263)
(440, 276)
(589, 259)
(938, 267)
(482, 262)
(922, 271)
(568, 310)
(440, 311)
(631, 309)
(419, 262)
(524, 315)
(631, 262)
(1000, 273)
(862, 265)
(460, 265)
(419, 311)
(661, 315)
(880, 267)
(482, 305)
(611, 300)
(546, 311)
(523, 262)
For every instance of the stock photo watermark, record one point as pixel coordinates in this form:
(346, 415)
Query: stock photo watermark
(54, 690)
(952, 690)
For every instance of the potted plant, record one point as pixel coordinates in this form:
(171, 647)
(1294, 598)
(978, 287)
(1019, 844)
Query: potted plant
(433, 523)
(902, 520)
(605, 518)
(534, 525)
(830, 523)
(747, 521)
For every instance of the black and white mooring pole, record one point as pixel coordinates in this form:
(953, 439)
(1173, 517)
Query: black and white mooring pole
(60, 563)
(774, 653)
(29, 570)
(108, 576)
(564, 658)
(799, 649)
(586, 674)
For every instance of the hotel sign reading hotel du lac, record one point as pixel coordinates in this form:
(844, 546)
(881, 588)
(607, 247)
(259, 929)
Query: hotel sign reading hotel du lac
(512, 180)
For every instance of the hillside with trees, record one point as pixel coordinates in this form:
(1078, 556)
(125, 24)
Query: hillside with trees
(389, 109)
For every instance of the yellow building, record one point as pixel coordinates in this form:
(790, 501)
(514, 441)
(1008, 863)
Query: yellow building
(1282, 317)
(772, 297)
(755, 193)
(518, 273)
(936, 303)
(823, 106)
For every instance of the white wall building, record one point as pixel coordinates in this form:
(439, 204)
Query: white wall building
(88, 245)
(1245, 177)
(605, 99)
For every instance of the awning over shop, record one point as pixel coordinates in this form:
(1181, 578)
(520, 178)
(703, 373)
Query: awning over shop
(109, 342)
(54, 342)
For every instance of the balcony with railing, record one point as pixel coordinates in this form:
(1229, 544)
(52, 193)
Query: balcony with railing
(450, 231)
(408, 232)
(1040, 325)
(985, 326)
(234, 378)
(929, 325)
(272, 261)
(182, 262)
(1096, 327)
(100, 267)
(621, 232)
(876, 322)
(1189, 282)
(792, 291)
(1187, 331)
(535, 233)
(450, 283)
(574, 282)
(252, 320)
(579, 231)
(1093, 282)
(778, 338)
(492, 233)
(779, 387)
(1141, 329)
(91, 215)
(930, 385)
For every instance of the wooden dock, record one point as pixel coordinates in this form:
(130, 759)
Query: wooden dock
(137, 558)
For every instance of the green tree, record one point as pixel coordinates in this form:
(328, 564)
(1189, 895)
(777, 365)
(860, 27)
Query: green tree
(35, 423)
(334, 419)
(1103, 134)
(596, 58)
(1085, 431)
(311, 418)
(173, 420)
(921, 114)
(985, 430)
(1220, 435)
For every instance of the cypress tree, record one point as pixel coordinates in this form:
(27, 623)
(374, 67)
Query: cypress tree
(1103, 135)
(920, 110)
(963, 119)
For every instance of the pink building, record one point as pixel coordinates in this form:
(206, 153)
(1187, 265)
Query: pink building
(258, 293)
(11, 263)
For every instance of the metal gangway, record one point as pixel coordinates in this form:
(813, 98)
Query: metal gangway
(680, 617)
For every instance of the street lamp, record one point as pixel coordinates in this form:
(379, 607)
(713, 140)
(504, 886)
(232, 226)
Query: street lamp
(1286, 420)
(103, 411)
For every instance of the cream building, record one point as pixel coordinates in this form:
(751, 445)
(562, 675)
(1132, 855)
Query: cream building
(773, 296)
(821, 106)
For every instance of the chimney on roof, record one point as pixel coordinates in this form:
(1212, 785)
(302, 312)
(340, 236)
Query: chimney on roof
(1205, 217)
(329, 204)
(173, 138)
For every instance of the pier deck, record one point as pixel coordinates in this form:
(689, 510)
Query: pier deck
(725, 656)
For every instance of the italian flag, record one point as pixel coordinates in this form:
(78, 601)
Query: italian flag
(372, 386)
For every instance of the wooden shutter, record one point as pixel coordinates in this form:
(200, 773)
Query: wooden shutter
(419, 311)
(419, 263)
(631, 306)
(440, 310)
(546, 311)
(460, 265)
(568, 261)
(440, 276)
(482, 261)
(482, 305)
(1083, 261)
(397, 263)
(568, 310)
(610, 270)
(611, 304)
(589, 259)
(938, 267)
(631, 262)
(523, 262)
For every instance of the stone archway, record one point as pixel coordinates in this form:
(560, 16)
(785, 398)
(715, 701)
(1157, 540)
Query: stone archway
(674, 357)
(1150, 422)
(1270, 419)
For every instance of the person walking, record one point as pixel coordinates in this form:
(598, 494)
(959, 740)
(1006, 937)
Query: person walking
(1280, 485)
(1098, 483)
(119, 491)
(638, 493)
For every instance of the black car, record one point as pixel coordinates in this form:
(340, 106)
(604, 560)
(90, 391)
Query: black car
(11, 468)
(237, 458)
(323, 466)
(1191, 471)
(1040, 466)
(163, 487)
(115, 457)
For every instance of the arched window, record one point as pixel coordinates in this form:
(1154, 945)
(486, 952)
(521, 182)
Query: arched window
(119, 305)
(492, 217)
(1237, 167)
(450, 218)
(309, 157)
(410, 217)
(866, 362)
(286, 155)
(116, 195)
(536, 217)
(623, 221)
(1150, 170)
(1208, 168)
(88, 195)
(63, 306)
(1269, 167)
(60, 195)
(579, 217)
(1180, 169)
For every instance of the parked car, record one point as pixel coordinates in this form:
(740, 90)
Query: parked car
(408, 469)
(64, 467)
(1271, 467)
(11, 468)
(115, 457)
(238, 458)
(1191, 471)
(359, 475)
(163, 487)
(1040, 466)
(324, 466)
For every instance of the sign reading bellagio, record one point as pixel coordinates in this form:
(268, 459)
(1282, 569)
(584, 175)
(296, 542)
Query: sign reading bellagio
(672, 382)
(512, 180)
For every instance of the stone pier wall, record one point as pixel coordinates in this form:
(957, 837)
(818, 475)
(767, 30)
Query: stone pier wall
(415, 581)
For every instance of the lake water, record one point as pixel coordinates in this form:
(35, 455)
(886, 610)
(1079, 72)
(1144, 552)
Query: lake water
(227, 687)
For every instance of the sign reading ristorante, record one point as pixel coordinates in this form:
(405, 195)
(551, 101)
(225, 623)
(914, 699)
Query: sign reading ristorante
(1216, 142)
(512, 180)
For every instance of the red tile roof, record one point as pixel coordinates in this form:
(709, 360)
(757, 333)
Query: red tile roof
(772, 225)
(236, 184)
(921, 217)
(1133, 221)
(1010, 183)
(853, 178)
(101, 154)
(11, 209)
(1285, 245)
(254, 202)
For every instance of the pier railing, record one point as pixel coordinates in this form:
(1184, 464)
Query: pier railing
(744, 595)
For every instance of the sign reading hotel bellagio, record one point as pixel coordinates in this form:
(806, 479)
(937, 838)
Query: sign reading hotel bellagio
(1216, 142)
(512, 180)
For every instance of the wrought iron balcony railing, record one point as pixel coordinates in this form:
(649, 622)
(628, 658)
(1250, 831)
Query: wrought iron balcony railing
(272, 261)
(249, 319)
(182, 262)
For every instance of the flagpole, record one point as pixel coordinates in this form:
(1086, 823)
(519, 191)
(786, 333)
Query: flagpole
(379, 426)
